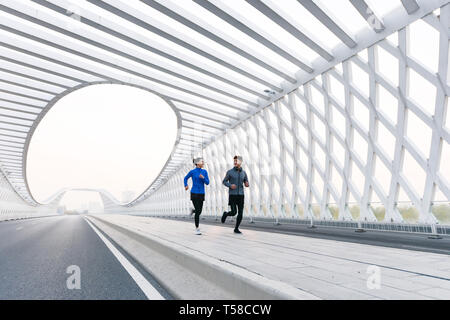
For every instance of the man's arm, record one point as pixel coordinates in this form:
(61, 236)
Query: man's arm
(246, 179)
(226, 180)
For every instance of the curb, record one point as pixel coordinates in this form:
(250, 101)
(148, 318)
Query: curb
(202, 277)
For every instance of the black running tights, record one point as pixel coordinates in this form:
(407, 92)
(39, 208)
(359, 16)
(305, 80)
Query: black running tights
(198, 205)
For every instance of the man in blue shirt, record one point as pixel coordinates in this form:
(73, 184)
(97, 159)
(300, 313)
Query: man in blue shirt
(199, 178)
(235, 180)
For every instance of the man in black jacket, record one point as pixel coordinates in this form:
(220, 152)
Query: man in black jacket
(235, 180)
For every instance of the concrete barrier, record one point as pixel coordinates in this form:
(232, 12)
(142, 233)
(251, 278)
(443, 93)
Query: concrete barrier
(190, 274)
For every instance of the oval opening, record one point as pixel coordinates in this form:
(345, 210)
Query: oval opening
(104, 136)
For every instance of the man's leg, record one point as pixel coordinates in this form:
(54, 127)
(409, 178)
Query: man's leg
(232, 203)
(240, 205)
(233, 206)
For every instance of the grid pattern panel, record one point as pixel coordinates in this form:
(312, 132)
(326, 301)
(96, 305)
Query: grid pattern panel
(12, 206)
(211, 63)
(338, 147)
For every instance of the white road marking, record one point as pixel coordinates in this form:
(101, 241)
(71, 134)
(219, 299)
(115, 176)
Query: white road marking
(146, 287)
(19, 228)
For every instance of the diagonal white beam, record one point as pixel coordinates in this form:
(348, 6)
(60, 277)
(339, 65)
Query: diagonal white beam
(299, 34)
(251, 33)
(131, 56)
(329, 21)
(111, 64)
(367, 13)
(180, 42)
(411, 6)
(181, 19)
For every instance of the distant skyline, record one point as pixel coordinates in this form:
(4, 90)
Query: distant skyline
(101, 137)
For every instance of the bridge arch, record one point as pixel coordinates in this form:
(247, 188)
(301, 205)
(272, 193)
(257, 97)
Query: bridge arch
(67, 92)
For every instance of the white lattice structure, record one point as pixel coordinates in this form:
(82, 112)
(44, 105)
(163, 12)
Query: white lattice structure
(335, 125)
(304, 163)
(12, 206)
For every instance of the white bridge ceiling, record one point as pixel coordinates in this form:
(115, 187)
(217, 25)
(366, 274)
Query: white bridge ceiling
(216, 62)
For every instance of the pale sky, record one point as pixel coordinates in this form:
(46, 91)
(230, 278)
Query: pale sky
(105, 136)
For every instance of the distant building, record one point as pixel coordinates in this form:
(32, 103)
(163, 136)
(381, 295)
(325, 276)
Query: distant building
(61, 209)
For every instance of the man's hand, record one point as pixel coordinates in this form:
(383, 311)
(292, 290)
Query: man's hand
(201, 176)
(246, 184)
(186, 188)
(233, 186)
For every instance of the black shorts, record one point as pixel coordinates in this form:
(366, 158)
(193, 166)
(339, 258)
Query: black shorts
(198, 196)
(237, 199)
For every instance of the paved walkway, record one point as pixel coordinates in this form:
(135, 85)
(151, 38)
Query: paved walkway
(327, 269)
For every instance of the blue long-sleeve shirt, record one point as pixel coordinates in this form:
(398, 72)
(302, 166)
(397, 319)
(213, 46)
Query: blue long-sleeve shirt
(198, 184)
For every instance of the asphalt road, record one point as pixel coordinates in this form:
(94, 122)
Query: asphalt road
(35, 255)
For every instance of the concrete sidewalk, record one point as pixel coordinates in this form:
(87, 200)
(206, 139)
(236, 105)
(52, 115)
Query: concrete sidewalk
(325, 269)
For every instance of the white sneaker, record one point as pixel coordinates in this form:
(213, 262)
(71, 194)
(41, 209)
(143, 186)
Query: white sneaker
(197, 232)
